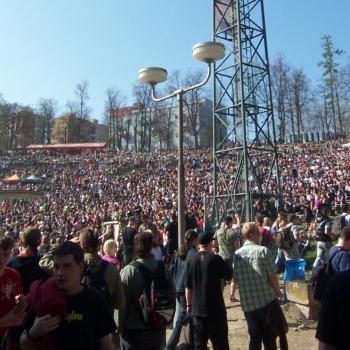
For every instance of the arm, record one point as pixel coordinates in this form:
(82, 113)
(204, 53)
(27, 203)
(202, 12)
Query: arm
(275, 284)
(238, 221)
(188, 294)
(105, 343)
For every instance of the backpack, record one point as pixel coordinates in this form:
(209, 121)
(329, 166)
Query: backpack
(157, 302)
(321, 276)
(339, 224)
(93, 278)
(285, 238)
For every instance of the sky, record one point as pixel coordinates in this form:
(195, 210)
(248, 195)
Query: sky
(47, 47)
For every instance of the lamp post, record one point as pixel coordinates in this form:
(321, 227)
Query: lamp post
(208, 52)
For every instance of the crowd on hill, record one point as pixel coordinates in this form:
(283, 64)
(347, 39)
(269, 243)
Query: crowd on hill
(85, 190)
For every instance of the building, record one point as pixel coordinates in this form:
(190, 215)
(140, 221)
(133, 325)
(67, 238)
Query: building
(143, 129)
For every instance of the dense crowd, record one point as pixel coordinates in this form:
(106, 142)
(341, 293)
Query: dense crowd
(81, 190)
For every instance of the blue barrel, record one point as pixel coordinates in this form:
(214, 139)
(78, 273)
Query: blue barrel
(295, 270)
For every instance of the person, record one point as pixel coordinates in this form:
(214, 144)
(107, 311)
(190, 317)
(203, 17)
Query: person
(26, 263)
(110, 250)
(227, 241)
(148, 225)
(266, 235)
(333, 324)
(12, 310)
(127, 240)
(172, 235)
(255, 272)
(277, 226)
(203, 275)
(341, 258)
(135, 334)
(84, 325)
(293, 252)
(177, 270)
(323, 235)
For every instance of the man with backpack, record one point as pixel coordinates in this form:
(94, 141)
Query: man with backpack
(342, 221)
(139, 327)
(341, 260)
(323, 235)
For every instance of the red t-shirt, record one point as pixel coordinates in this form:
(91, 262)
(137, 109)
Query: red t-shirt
(10, 286)
(266, 236)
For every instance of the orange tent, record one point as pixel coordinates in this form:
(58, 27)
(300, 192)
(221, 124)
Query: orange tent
(11, 180)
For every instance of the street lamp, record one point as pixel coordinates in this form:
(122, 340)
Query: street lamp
(208, 52)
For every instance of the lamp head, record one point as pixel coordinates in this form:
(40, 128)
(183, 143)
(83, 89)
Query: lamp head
(208, 51)
(153, 75)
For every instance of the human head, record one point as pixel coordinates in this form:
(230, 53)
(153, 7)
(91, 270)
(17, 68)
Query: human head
(67, 248)
(259, 219)
(6, 244)
(250, 232)
(110, 247)
(145, 218)
(69, 264)
(345, 236)
(30, 238)
(292, 217)
(143, 243)
(190, 236)
(205, 239)
(89, 240)
(228, 221)
(267, 221)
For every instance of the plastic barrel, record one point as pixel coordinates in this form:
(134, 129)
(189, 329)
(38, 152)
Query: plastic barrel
(295, 270)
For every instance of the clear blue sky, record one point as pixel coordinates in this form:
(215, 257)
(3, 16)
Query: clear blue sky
(48, 46)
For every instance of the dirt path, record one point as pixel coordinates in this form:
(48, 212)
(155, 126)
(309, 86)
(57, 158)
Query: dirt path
(298, 339)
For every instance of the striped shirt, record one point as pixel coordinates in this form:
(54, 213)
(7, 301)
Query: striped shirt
(252, 266)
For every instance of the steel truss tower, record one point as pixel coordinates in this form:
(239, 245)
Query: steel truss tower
(244, 147)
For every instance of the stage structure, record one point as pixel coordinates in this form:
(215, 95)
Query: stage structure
(245, 156)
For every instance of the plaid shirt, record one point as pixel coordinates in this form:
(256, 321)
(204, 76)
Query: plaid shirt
(252, 266)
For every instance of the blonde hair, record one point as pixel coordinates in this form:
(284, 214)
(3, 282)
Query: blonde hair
(267, 221)
(248, 228)
(108, 246)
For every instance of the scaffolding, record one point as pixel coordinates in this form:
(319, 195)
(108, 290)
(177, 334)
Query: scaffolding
(245, 155)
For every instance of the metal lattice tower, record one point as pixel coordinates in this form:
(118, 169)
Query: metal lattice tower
(245, 148)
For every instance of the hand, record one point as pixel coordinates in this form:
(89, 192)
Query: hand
(12, 318)
(44, 325)
(21, 304)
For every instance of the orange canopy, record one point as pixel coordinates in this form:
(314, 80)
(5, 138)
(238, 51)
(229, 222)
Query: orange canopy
(11, 180)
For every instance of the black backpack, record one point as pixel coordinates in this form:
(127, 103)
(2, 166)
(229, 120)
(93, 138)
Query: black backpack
(339, 224)
(323, 273)
(157, 302)
(285, 238)
(93, 278)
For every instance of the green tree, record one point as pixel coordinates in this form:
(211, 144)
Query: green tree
(330, 77)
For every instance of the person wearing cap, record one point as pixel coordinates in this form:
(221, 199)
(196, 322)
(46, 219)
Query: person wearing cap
(227, 243)
(203, 275)
(255, 272)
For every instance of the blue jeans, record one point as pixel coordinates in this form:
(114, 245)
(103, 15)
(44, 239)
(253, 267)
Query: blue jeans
(175, 335)
(256, 321)
(322, 252)
(279, 258)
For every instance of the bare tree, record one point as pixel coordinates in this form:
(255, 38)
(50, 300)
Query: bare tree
(115, 100)
(48, 109)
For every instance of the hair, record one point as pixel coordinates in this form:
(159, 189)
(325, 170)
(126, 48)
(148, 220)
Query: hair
(248, 228)
(108, 246)
(6, 243)
(291, 217)
(324, 210)
(344, 207)
(190, 236)
(345, 233)
(144, 216)
(89, 238)
(259, 219)
(67, 248)
(143, 243)
(267, 221)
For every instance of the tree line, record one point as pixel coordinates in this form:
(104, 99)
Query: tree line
(298, 107)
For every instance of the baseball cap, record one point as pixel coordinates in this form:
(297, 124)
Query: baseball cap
(205, 237)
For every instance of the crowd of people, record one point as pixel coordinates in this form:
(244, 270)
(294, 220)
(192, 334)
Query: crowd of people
(139, 191)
